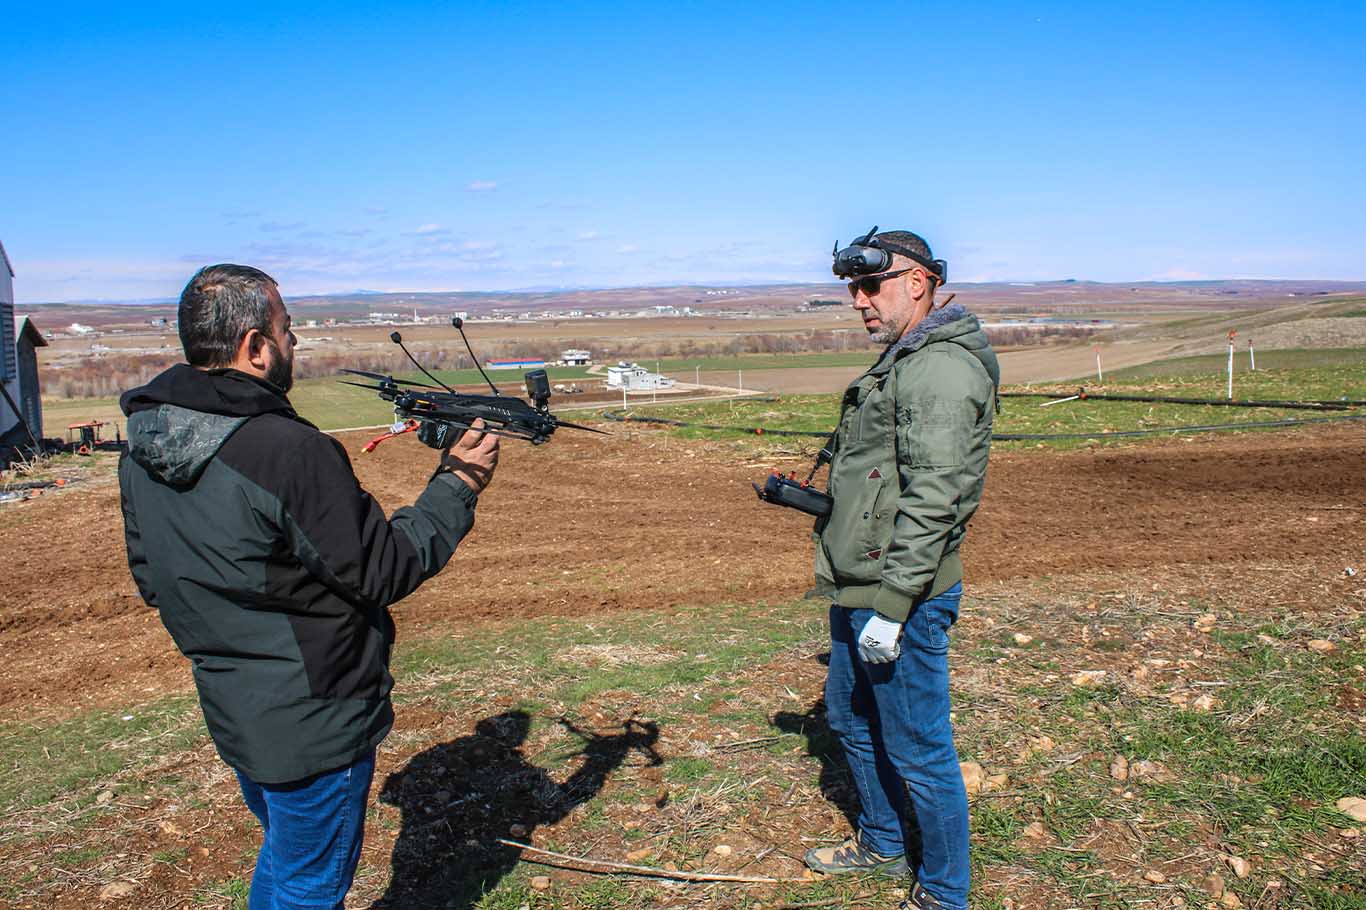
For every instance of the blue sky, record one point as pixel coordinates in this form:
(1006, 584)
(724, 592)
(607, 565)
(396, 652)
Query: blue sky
(469, 146)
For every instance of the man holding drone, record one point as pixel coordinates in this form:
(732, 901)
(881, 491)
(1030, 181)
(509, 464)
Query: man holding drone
(273, 570)
(907, 467)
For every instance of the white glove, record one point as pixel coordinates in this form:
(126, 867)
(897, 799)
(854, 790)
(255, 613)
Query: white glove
(880, 640)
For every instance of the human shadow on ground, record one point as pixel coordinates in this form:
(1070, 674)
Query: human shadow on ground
(459, 797)
(837, 787)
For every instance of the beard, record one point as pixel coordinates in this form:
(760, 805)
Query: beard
(886, 334)
(281, 371)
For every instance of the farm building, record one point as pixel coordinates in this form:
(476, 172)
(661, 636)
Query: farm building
(633, 376)
(576, 358)
(21, 410)
(514, 364)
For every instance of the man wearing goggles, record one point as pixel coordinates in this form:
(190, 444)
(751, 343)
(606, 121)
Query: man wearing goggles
(908, 467)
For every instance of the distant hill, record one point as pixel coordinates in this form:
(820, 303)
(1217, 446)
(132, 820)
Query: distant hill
(1064, 296)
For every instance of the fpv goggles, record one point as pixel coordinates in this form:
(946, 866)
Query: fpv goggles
(868, 255)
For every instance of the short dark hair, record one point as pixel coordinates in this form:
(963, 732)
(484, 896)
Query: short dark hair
(220, 305)
(916, 244)
(913, 242)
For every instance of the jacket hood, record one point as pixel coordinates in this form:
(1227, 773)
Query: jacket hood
(179, 420)
(953, 324)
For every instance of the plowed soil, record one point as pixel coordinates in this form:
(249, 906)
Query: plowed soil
(642, 520)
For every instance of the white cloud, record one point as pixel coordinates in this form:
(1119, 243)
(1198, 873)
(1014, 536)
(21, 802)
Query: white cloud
(427, 228)
(587, 235)
(481, 186)
(628, 248)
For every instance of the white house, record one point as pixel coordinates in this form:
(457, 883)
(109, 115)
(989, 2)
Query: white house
(576, 358)
(633, 377)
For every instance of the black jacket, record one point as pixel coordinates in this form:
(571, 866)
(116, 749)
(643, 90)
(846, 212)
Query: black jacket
(272, 568)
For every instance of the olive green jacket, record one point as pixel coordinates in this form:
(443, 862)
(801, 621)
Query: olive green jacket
(910, 460)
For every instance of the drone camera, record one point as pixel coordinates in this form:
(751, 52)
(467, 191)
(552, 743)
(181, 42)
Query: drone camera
(538, 387)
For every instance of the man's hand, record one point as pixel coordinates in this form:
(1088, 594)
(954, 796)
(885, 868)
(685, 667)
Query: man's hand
(880, 640)
(473, 457)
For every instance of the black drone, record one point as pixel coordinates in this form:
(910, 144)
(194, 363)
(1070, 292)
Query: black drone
(439, 414)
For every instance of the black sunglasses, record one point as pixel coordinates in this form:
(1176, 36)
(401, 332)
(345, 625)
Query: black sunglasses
(871, 284)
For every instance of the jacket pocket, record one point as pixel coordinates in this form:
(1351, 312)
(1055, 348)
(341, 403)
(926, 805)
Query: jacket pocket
(856, 531)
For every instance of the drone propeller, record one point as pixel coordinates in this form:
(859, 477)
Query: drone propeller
(380, 377)
(368, 388)
(579, 426)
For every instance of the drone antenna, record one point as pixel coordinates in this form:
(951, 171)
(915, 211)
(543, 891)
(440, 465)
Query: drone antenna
(397, 339)
(460, 327)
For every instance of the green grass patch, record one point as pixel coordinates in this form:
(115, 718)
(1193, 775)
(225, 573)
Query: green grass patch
(47, 763)
(1339, 375)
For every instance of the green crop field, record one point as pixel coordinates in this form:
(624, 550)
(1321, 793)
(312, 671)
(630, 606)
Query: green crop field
(1340, 378)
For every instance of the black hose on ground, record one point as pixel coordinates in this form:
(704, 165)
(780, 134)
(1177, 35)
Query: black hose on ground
(1004, 437)
(1340, 405)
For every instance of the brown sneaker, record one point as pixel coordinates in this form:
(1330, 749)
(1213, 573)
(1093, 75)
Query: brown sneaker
(852, 856)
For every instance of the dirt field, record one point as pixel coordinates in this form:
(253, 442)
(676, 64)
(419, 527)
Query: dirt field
(639, 520)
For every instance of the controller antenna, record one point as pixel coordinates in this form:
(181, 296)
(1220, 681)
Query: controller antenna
(460, 327)
(397, 339)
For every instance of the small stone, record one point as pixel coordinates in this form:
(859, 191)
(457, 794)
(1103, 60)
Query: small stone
(517, 830)
(1150, 770)
(1230, 900)
(1088, 678)
(636, 856)
(168, 828)
(1241, 867)
(1213, 886)
(996, 782)
(1140, 674)
(1043, 743)
(104, 797)
(1205, 703)
(1022, 639)
(1119, 768)
(442, 796)
(1352, 806)
(973, 777)
(808, 875)
(723, 849)
(116, 890)
(1206, 623)
(540, 883)
(1154, 876)
(1350, 833)
(1035, 831)
(1178, 901)
(1321, 646)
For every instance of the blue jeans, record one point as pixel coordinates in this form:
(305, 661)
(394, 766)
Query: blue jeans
(313, 831)
(893, 721)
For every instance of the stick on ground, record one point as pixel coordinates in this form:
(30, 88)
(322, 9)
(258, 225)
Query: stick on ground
(544, 858)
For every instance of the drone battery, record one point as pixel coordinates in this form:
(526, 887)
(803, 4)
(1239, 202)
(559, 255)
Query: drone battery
(438, 435)
(782, 491)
